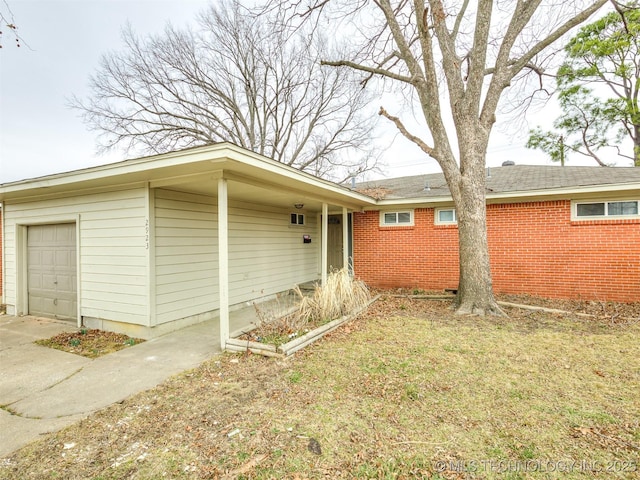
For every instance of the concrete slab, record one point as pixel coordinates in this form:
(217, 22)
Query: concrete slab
(16, 331)
(30, 368)
(114, 377)
(16, 431)
(43, 390)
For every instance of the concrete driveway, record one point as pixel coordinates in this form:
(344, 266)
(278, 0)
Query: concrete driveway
(43, 390)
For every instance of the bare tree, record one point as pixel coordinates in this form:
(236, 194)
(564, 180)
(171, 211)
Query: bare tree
(233, 79)
(8, 22)
(457, 57)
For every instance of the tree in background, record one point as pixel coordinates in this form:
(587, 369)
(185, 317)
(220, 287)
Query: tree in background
(598, 91)
(8, 22)
(234, 79)
(456, 58)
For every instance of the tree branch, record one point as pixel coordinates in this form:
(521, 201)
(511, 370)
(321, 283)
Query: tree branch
(417, 140)
(371, 70)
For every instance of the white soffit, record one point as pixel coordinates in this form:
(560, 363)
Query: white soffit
(199, 164)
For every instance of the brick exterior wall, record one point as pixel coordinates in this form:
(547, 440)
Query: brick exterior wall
(534, 247)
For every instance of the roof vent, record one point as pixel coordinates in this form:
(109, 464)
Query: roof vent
(508, 163)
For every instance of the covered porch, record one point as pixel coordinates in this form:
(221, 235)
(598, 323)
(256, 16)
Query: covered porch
(300, 230)
(163, 242)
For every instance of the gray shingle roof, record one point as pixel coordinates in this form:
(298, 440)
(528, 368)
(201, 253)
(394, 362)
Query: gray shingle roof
(516, 178)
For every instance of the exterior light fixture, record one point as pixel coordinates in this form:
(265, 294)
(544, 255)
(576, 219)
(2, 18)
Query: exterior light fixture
(298, 205)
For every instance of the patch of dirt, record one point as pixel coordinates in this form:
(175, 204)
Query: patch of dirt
(90, 343)
(602, 309)
(610, 312)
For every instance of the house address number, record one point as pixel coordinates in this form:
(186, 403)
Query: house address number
(146, 233)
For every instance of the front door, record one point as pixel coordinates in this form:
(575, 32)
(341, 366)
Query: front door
(334, 243)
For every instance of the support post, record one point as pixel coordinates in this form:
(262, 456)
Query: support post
(345, 239)
(223, 260)
(325, 241)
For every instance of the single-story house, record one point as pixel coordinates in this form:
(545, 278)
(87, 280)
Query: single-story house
(563, 232)
(152, 244)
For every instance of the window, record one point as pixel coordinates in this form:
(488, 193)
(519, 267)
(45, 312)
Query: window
(389, 219)
(626, 208)
(446, 216)
(297, 219)
(622, 208)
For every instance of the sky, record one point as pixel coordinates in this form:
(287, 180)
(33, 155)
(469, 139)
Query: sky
(63, 43)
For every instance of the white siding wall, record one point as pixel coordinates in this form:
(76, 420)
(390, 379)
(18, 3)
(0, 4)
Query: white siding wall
(112, 243)
(186, 249)
(266, 253)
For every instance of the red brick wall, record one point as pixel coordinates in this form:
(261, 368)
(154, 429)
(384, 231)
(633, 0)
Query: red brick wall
(535, 249)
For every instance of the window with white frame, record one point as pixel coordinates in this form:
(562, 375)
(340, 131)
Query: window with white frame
(597, 209)
(392, 219)
(297, 219)
(446, 216)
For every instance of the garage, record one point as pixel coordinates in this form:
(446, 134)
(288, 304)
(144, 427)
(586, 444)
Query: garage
(52, 271)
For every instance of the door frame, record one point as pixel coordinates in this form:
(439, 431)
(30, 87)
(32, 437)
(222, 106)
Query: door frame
(347, 238)
(22, 264)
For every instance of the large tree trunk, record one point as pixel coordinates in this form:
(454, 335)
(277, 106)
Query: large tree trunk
(460, 58)
(475, 287)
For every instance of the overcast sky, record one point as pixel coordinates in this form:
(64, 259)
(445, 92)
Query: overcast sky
(40, 135)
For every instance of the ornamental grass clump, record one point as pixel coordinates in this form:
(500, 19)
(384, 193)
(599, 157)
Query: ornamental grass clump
(341, 295)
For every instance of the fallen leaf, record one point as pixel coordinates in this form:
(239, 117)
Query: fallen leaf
(314, 446)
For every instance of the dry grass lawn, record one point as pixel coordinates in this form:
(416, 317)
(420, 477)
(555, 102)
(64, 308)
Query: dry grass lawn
(407, 391)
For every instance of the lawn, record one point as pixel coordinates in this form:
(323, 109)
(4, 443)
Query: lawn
(407, 391)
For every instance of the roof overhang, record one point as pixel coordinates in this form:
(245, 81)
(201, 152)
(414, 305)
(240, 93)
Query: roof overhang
(195, 170)
(255, 178)
(619, 190)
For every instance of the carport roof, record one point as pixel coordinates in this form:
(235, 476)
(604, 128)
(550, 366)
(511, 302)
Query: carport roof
(194, 170)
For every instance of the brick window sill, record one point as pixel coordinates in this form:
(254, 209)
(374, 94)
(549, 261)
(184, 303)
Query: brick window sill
(585, 223)
(391, 228)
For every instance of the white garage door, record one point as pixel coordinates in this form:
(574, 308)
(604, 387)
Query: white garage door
(52, 271)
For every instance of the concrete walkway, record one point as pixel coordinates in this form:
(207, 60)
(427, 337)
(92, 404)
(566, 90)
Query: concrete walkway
(43, 390)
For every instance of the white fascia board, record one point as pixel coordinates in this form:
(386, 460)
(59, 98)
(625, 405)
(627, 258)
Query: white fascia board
(266, 164)
(211, 153)
(567, 193)
(505, 197)
(424, 202)
(111, 170)
(222, 155)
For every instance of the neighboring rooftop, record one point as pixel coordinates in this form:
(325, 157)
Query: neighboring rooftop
(512, 178)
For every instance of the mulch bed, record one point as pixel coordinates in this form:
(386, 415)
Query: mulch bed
(90, 343)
